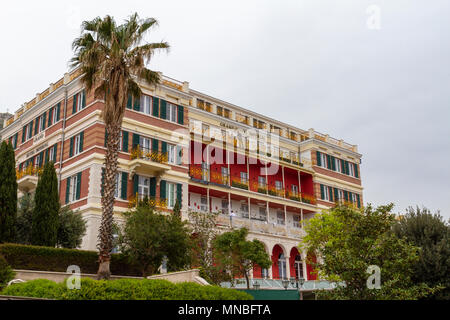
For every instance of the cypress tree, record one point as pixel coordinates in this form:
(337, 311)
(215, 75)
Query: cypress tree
(44, 229)
(8, 193)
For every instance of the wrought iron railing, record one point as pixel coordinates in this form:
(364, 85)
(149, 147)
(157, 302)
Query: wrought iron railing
(152, 202)
(144, 153)
(29, 171)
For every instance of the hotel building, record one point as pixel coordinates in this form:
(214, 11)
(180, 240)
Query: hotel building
(181, 144)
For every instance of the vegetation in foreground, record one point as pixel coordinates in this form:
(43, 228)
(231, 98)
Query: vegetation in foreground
(123, 289)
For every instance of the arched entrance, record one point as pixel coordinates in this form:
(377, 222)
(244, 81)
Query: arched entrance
(278, 263)
(296, 264)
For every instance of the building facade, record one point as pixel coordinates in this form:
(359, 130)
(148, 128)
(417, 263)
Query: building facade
(179, 144)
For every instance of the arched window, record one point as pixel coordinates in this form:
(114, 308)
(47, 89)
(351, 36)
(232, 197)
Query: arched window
(298, 267)
(282, 266)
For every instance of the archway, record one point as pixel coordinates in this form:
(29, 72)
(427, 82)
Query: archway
(296, 264)
(278, 263)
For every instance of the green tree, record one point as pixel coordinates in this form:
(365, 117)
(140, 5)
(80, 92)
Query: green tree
(238, 255)
(71, 228)
(347, 241)
(8, 193)
(204, 231)
(112, 62)
(147, 237)
(6, 272)
(44, 230)
(431, 233)
(24, 219)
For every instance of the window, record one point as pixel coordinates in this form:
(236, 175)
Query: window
(146, 103)
(294, 190)
(323, 160)
(338, 164)
(264, 273)
(205, 171)
(298, 267)
(282, 266)
(77, 145)
(262, 213)
(262, 182)
(171, 153)
(73, 188)
(80, 100)
(351, 170)
(118, 190)
(145, 143)
(171, 112)
(225, 207)
(204, 203)
(278, 185)
(54, 115)
(326, 193)
(220, 111)
(29, 130)
(37, 161)
(225, 175)
(244, 210)
(280, 218)
(143, 187)
(244, 177)
(171, 194)
(52, 154)
(41, 124)
(297, 221)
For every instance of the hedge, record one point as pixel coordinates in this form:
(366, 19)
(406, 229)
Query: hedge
(123, 289)
(6, 272)
(24, 257)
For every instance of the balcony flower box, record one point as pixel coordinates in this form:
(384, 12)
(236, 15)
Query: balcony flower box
(239, 185)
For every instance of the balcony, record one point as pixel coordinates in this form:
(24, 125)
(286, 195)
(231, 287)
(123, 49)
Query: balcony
(145, 161)
(27, 178)
(152, 202)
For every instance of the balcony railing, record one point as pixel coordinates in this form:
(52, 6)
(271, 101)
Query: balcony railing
(239, 183)
(143, 153)
(29, 171)
(219, 178)
(152, 202)
(276, 192)
(199, 173)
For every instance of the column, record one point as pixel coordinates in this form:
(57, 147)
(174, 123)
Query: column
(208, 200)
(249, 208)
(284, 185)
(301, 217)
(267, 211)
(288, 268)
(285, 218)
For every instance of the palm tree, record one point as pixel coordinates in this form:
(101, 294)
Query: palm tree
(113, 60)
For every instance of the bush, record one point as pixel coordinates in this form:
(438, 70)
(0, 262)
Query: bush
(124, 289)
(26, 257)
(6, 273)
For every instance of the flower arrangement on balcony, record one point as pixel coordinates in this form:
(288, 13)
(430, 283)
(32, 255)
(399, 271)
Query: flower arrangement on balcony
(29, 171)
(155, 156)
(152, 202)
(285, 159)
(239, 184)
(276, 192)
(136, 153)
(293, 196)
(307, 198)
(219, 178)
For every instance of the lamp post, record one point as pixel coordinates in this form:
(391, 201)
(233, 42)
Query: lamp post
(301, 281)
(285, 283)
(256, 285)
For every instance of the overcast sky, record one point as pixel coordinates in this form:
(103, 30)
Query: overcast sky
(374, 73)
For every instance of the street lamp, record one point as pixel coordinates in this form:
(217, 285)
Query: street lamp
(256, 285)
(301, 281)
(285, 283)
(293, 282)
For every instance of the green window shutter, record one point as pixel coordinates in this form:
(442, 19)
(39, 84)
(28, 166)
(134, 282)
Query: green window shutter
(319, 160)
(83, 102)
(102, 185)
(163, 109)
(30, 133)
(179, 193)
(153, 187)
(78, 185)
(44, 119)
(346, 195)
(155, 145)
(135, 185)
(50, 112)
(15, 140)
(163, 147)
(336, 194)
(322, 192)
(347, 168)
(333, 163)
(71, 148)
(179, 155)
(67, 190)
(330, 192)
(155, 112)
(74, 106)
(124, 185)
(137, 104)
(81, 140)
(163, 189)
(46, 156)
(181, 115)
(129, 101)
(356, 170)
(24, 131)
(125, 141)
(106, 136)
(136, 139)
(58, 108)
(328, 161)
(36, 126)
(343, 166)
(358, 199)
(54, 153)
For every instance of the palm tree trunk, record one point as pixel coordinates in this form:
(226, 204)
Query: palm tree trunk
(105, 236)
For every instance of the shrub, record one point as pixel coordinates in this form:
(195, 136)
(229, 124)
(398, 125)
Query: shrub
(54, 259)
(6, 273)
(124, 289)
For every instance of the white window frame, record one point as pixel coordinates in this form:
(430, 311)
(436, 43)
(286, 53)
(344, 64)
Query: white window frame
(41, 123)
(294, 190)
(326, 193)
(244, 177)
(51, 153)
(54, 116)
(204, 203)
(73, 188)
(145, 143)
(324, 160)
(80, 101)
(171, 112)
(118, 188)
(279, 185)
(338, 165)
(171, 194)
(76, 144)
(143, 186)
(351, 169)
(146, 104)
(297, 221)
(171, 154)
(280, 218)
(262, 183)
